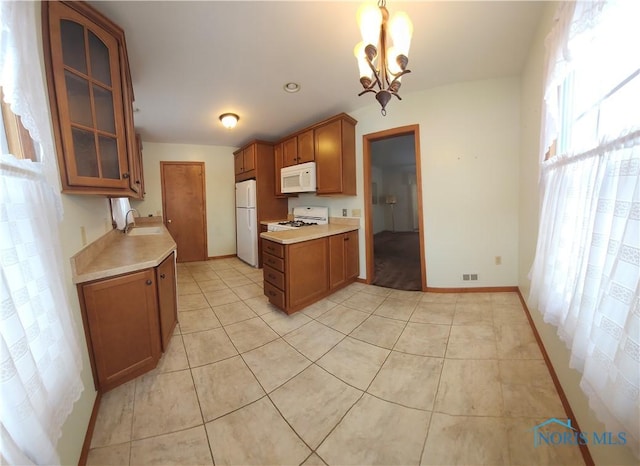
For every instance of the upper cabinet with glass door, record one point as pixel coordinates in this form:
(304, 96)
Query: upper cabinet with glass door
(91, 101)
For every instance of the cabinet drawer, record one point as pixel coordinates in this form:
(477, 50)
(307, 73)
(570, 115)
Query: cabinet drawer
(274, 249)
(274, 277)
(275, 295)
(274, 262)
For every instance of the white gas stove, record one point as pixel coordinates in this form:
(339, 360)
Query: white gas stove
(302, 217)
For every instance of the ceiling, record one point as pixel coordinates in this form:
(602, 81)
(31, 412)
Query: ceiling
(192, 61)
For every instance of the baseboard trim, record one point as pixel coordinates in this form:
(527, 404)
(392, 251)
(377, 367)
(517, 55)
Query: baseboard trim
(228, 256)
(584, 449)
(482, 289)
(86, 445)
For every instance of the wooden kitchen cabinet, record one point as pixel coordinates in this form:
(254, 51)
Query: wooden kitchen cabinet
(299, 274)
(278, 164)
(244, 161)
(290, 151)
(306, 146)
(128, 322)
(343, 258)
(167, 299)
(91, 97)
(122, 327)
(335, 156)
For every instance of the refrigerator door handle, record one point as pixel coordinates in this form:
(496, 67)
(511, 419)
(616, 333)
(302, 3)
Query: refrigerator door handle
(249, 219)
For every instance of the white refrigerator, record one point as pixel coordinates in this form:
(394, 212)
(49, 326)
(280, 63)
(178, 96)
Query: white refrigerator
(246, 222)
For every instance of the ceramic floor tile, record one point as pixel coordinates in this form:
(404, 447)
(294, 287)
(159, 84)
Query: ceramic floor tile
(313, 402)
(473, 313)
(174, 358)
(255, 435)
(113, 424)
(472, 342)
(314, 339)
(183, 279)
(365, 302)
(517, 342)
(442, 298)
(250, 334)
(234, 282)
(395, 308)
(343, 319)
(227, 274)
(413, 296)
(379, 331)
(260, 305)
(474, 297)
(531, 401)
(275, 363)
(528, 372)
(212, 285)
(313, 460)
(186, 447)
(207, 347)
(469, 388)
(523, 451)
(408, 380)
(424, 339)
(233, 312)
(188, 288)
(340, 295)
(191, 302)
(318, 308)
(165, 403)
(109, 456)
(466, 440)
(225, 386)
(354, 362)
(282, 323)
(220, 297)
(203, 275)
(197, 321)
(433, 313)
(510, 298)
(246, 291)
(376, 290)
(222, 264)
(376, 432)
(509, 314)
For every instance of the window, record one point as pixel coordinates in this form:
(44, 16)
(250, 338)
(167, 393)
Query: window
(39, 351)
(586, 274)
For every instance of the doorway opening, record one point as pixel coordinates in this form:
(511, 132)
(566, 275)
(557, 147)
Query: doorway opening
(393, 209)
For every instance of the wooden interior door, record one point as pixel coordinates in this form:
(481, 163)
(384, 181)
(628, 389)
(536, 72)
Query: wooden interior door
(184, 208)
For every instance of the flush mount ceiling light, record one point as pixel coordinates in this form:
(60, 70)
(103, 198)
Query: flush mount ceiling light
(291, 87)
(382, 62)
(229, 120)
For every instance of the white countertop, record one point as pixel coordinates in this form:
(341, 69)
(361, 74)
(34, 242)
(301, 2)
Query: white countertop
(308, 233)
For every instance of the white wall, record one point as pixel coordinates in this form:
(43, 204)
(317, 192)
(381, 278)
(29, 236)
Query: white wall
(532, 84)
(469, 137)
(220, 188)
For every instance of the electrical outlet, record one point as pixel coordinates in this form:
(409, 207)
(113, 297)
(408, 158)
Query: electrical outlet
(465, 276)
(498, 260)
(344, 212)
(474, 276)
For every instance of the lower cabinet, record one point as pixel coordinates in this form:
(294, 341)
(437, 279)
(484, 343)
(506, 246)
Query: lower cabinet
(299, 274)
(128, 321)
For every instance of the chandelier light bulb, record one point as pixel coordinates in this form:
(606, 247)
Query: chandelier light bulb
(369, 21)
(363, 65)
(401, 30)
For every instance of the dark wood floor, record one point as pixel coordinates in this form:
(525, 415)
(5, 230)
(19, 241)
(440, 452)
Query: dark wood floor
(397, 260)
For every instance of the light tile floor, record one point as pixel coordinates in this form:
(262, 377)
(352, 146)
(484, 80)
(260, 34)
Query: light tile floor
(366, 376)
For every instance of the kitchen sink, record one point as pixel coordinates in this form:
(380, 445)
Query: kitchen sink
(143, 231)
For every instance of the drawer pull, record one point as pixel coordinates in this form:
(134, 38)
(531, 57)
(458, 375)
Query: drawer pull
(162, 276)
(272, 276)
(271, 293)
(149, 282)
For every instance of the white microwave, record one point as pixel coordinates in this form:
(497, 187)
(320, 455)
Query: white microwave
(298, 178)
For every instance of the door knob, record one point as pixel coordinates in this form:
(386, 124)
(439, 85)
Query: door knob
(169, 221)
(149, 282)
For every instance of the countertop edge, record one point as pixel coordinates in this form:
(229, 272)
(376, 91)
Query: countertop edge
(307, 234)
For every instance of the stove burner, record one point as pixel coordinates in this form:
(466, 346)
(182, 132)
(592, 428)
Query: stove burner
(297, 223)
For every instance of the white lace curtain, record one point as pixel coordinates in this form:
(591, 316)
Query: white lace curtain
(586, 273)
(40, 360)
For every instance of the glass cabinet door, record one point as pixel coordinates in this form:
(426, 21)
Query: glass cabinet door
(87, 79)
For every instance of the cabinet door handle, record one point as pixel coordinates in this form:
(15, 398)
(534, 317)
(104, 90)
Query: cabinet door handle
(149, 282)
(162, 275)
(271, 293)
(346, 238)
(125, 176)
(272, 276)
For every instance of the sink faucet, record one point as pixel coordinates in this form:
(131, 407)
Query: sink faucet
(127, 225)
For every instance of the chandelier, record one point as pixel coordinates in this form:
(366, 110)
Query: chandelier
(382, 62)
